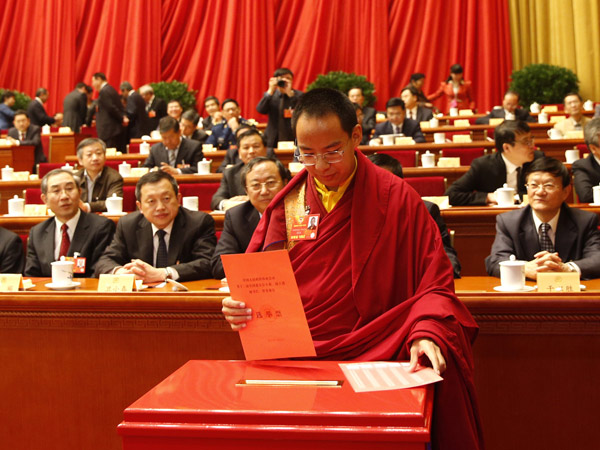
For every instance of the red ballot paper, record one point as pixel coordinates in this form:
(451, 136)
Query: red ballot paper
(265, 282)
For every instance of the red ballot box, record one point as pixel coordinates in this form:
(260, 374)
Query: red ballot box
(274, 405)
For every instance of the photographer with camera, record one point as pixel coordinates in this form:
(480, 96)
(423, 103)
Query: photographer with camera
(279, 102)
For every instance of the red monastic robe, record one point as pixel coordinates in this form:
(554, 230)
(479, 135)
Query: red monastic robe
(375, 279)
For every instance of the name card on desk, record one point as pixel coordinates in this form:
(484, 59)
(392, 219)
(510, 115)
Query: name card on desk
(11, 282)
(116, 283)
(558, 282)
(462, 138)
(550, 108)
(465, 112)
(496, 121)
(462, 123)
(35, 210)
(555, 119)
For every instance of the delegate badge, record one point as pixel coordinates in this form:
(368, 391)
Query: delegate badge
(305, 228)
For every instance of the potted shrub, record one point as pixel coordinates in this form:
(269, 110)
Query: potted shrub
(175, 90)
(344, 81)
(543, 83)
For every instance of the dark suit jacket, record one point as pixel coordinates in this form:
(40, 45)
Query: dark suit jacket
(423, 114)
(232, 157)
(487, 173)
(231, 185)
(138, 117)
(587, 175)
(199, 135)
(158, 109)
(409, 128)
(190, 151)
(369, 119)
(434, 211)
(74, 110)
(577, 239)
(269, 104)
(11, 252)
(498, 113)
(109, 182)
(109, 117)
(37, 114)
(91, 237)
(240, 223)
(33, 136)
(191, 245)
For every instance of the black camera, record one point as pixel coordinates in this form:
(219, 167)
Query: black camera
(281, 83)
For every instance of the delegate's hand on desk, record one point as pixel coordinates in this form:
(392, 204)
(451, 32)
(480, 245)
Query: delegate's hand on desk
(142, 271)
(236, 313)
(544, 262)
(491, 198)
(169, 169)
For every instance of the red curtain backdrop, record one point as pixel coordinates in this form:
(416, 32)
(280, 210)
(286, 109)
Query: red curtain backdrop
(230, 48)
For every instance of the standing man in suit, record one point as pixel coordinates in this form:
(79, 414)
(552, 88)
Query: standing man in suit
(398, 123)
(189, 126)
(24, 133)
(161, 240)
(587, 170)
(12, 257)
(70, 230)
(7, 114)
(576, 120)
(135, 110)
(75, 107)
(262, 178)
(251, 144)
(37, 112)
(110, 116)
(510, 110)
(369, 119)
(548, 234)
(514, 152)
(279, 102)
(96, 181)
(174, 154)
(409, 96)
(156, 107)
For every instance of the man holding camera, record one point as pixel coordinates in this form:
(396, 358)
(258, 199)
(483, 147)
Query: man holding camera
(279, 102)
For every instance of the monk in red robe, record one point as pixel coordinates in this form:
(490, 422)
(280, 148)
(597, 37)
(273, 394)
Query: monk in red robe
(375, 283)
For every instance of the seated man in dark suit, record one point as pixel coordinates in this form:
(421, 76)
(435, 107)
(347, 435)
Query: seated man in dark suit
(398, 123)
(548, 234)
(514, 152)
(251, 144)
(417, 80)
(587, 170)
(37, 112)
(174, 154)
(96, 180)
(223, 134)
(391, 164)
(369, 119)
(162, 240)
(232, 156)
(215, 115)
(189, 126)
(410, 97)
(23, 133)
(510, 110)
(11, 252)
(70, 230)
(263, 178)
(366, 137)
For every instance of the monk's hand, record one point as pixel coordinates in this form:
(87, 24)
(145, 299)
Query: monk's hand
(236, 313)
(427, 347)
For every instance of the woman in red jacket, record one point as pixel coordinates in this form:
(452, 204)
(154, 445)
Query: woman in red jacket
(457, 91)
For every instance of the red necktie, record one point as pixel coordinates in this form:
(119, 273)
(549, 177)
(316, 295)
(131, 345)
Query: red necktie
(65, 243)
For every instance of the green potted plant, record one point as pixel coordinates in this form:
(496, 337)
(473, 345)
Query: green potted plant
(21, 99)
(343, 82)
(175, 90)
(543, 83)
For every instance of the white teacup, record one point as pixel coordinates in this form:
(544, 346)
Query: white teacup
(553, 133)
(7, 173)
(16, 206)
(125, 169)
(512, 274)
(62, 273)
(434, 122)
(505, 196)
(571, 155)
(534, 107)
(588, 105)
(388, 139)
(114, 204)
(190, 203)
(204, 167)
(144, 148)
(543, 117)
(596, 192)
(439, 138)
(428, 159)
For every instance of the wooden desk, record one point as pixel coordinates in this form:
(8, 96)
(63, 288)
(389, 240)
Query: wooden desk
(74, 360)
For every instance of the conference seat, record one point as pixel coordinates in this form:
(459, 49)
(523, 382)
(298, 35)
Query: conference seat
(129, 199)
(33, 196)
(44, 168)
(466, 155)
(204, 192)
(408, 158)
(428, 186)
